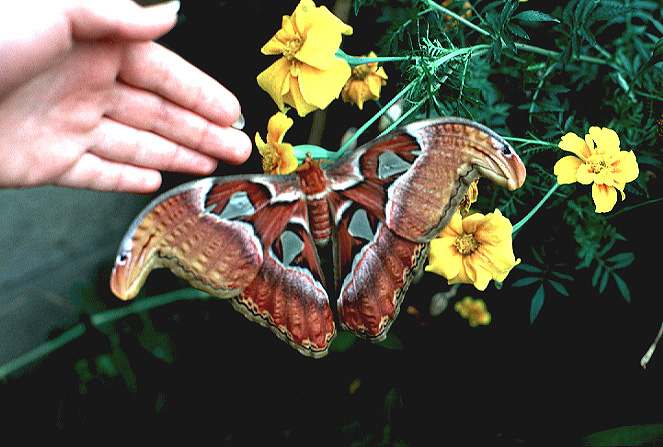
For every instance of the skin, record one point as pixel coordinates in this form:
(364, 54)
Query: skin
(88, 100)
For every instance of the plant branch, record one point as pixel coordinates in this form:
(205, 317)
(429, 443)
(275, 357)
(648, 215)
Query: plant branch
(538, 206)
(455, 16)
(97, 320)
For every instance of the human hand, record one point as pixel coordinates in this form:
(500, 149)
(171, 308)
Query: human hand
(87, 100)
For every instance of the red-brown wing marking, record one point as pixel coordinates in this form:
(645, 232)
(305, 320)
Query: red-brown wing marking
(374, 288)
(288, 296)
(180, 231)
(376, 266)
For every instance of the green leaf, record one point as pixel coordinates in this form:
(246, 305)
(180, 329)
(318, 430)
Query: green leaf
(563, 276)
(597, 275)
(537, 256)
(604, 281)
(343, 341)
(621, 260)
(622, 286)
(535, 16)
(559, 287)
(392, 342)
(537, 304)
(529, 268)
(656, 57)
(525, 281)
(651, 434)
(517, 31)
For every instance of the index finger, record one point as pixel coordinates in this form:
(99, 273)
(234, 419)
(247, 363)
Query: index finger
(152, 67)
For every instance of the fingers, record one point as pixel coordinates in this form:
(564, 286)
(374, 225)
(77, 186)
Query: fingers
(93, 172)
(146, 111)
(124, 19)
(124, 144)
(151, 67)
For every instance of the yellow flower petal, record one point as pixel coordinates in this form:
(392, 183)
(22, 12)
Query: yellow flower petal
(479, 275)
(573, 143)
(319, 88)
(275, 80)
(365, 83)
(566, 169)
(295, 98)
(277, 126)
(605, 197)
(585, 175)
(443, 257)
(277, 157)
(454, 227)
(319, 34)
(606, 140)
(625, 166)
(288, 162)
(278, 43)
(322, 40)
(472, 221)
(492, 229)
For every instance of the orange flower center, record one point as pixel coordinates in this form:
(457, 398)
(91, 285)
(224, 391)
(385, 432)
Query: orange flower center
(466, 244)
(291, 48)
(598, 167)
(269, 163)
(361, 72)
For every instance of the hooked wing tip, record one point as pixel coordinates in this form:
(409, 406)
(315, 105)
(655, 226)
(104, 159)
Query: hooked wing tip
(501, 164)
(118, 284)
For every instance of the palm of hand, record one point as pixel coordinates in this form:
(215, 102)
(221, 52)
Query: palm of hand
(109, 114)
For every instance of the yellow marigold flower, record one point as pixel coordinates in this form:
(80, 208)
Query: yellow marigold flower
(364, 84)
(597, 161)
(473, 250)
(277, 157)
(474, 311)
(309, 75)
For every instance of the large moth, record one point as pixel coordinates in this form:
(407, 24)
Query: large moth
(253, 238)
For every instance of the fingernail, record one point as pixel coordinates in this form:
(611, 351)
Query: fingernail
(239, 124)
(172, 7)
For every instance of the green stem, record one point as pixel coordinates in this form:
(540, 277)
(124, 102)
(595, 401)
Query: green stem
(403, 117)
(632, 207)
(375, 117)
(530, 141)
(317, 153)
(555, 54)
(97, 320)
(431, 4)
(357, 60)
(529, 215)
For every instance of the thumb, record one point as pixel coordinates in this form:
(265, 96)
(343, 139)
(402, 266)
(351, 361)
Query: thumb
(121, 19)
